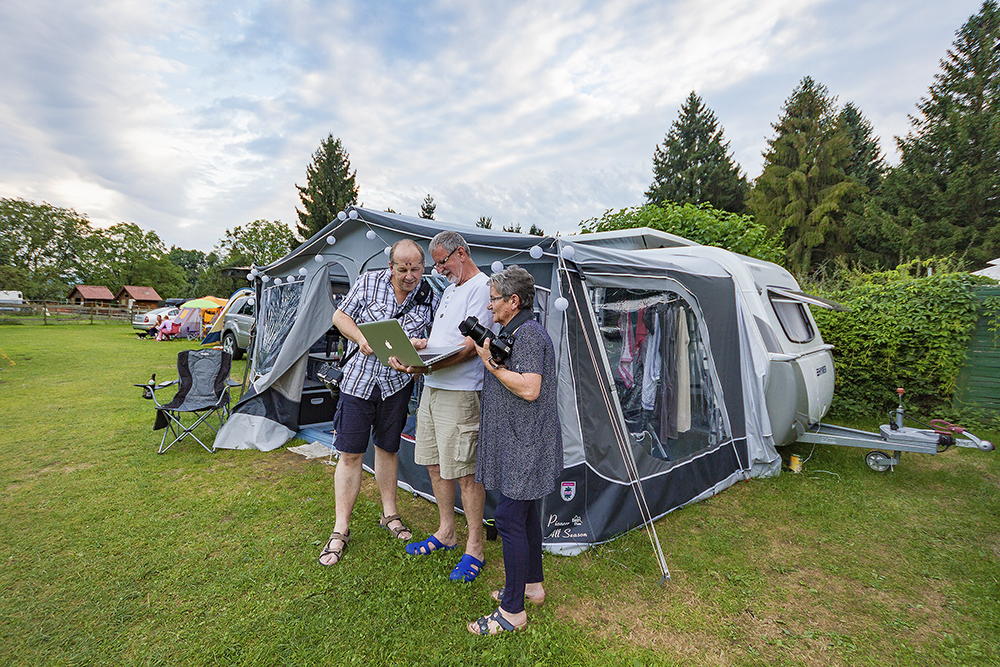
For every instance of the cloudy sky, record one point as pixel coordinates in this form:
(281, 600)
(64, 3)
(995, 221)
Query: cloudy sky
(190, 117)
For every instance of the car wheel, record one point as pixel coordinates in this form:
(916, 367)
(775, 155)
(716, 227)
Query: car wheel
(230, 346)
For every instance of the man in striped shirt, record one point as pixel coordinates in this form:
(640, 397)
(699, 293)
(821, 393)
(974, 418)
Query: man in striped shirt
(372, 396)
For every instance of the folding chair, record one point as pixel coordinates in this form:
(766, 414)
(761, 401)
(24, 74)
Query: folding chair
(203, 392)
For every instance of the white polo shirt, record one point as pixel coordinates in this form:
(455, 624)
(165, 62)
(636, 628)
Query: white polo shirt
(458, 303)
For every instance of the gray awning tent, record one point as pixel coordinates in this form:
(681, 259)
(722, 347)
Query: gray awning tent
(661, 382)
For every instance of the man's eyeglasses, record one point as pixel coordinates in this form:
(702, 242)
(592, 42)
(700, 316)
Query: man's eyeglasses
(497, 298)
(445, 260)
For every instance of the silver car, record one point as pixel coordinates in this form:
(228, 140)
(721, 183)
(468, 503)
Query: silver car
(236, 326)
(145, 321)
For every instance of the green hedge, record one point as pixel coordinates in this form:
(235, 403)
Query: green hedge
(902, 331)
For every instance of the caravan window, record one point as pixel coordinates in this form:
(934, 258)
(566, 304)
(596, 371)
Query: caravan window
(661, 370)
(793, 318)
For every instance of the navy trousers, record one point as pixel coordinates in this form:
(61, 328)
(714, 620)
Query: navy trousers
(520, 528)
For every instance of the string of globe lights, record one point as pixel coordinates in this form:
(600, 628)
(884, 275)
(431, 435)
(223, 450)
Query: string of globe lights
(566, 252)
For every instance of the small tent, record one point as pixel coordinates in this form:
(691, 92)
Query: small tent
(663, 361)
(189, 322)
(214, 334)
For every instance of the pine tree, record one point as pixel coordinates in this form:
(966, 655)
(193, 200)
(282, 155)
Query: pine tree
(876, 241)
(427, 208)
(485, 222)
(694, 165)
(946, 189)
(803, 193)
(866, 164)
(330, 188)
(535, 230)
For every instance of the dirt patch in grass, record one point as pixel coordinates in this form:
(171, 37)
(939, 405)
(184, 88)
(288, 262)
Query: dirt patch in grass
(627, 617)
(280, 464)
(66, 469)
(754, 634)
(820, 618)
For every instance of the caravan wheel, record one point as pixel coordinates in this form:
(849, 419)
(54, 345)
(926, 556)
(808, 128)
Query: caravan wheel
(878, 461)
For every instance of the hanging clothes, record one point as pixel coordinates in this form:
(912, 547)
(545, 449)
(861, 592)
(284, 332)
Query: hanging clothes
(668, 390)
(625, 370)
(651, 365)
(683, 364)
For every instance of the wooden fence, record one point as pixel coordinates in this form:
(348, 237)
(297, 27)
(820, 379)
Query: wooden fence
(58, 313)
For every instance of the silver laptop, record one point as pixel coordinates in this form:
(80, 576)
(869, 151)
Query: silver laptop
(388, 339)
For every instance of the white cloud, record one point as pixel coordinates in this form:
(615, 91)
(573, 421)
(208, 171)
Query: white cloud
(190, 118)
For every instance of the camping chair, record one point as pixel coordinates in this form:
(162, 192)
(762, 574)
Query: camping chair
(203, 392)
(169, 330)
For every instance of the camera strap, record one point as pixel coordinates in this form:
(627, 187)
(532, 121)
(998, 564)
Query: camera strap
(516, 322)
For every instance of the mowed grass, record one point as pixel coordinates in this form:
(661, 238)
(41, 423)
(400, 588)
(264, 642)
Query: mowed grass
(113, 555)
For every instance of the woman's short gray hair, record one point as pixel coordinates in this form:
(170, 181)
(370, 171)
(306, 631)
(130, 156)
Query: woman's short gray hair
(450, 241)
(515, 280)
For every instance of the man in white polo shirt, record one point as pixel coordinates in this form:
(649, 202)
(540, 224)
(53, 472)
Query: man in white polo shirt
(448, 417)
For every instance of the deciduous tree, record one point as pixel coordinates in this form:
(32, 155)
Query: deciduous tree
(702, 224)
(124, 254)
(42, 243)
(259, 242)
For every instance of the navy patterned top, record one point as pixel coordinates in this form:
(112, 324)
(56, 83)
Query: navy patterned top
(520, 442)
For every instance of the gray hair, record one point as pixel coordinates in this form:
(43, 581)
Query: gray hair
(515, 280)
(404, 243)
(450, 241)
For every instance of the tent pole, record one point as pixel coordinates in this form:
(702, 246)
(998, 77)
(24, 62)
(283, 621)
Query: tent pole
(622, 441)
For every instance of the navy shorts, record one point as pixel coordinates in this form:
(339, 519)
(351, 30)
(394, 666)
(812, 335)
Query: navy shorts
(356, 418)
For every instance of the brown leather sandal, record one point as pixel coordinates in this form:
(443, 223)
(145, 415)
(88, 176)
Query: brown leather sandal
(339, 553)
(396, 532)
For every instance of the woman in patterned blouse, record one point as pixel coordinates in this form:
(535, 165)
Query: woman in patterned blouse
(520, 444)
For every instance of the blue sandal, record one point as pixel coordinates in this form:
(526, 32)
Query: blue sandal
(467, 570)
(425, 547)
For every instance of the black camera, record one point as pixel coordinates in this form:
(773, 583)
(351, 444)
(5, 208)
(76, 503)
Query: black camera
(500, 344)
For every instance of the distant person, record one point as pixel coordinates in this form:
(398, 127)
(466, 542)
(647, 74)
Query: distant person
(163, 328)
(372, 396)
(520, 444)
(153, 329)
(448, 418)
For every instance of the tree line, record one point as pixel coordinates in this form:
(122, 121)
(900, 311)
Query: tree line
(825, 198)
(826, 193)
(45, 250)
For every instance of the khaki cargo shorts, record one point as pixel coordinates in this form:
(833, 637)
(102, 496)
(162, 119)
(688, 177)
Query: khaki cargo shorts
(448, 431)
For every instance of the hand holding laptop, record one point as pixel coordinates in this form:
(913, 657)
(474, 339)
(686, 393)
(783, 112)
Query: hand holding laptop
(388, 340)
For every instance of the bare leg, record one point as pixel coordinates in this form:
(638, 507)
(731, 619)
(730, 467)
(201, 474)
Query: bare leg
(473, 500)
(347, 486)
(444, 495)
(387, 476)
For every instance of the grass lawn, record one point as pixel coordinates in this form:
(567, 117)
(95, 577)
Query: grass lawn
(113, 555)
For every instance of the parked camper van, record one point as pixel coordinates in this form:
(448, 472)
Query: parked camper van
(799, 375)
(11, 300)
(680, 367)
